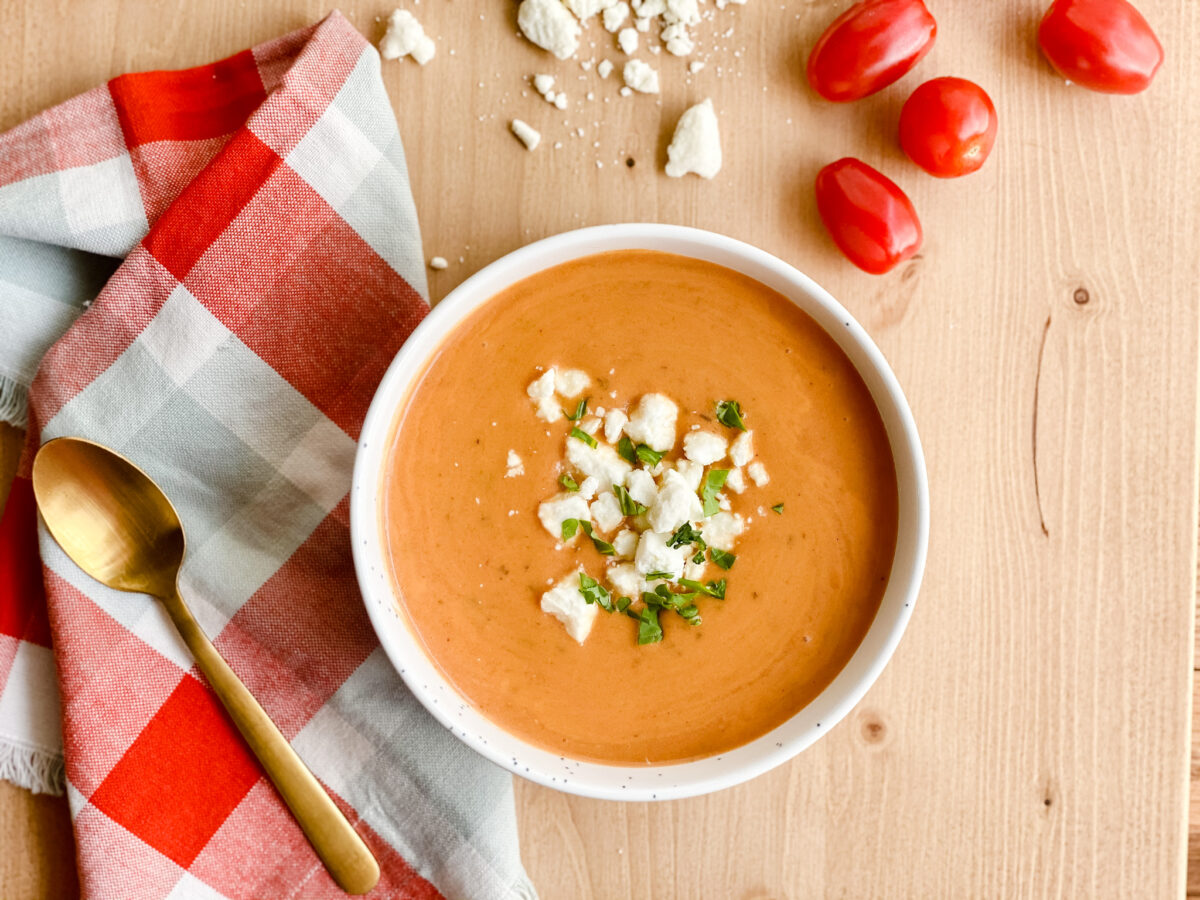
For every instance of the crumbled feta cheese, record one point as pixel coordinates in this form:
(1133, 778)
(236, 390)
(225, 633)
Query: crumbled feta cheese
(641, 77)
(626, 91)
(741, 451)
(735, 481)
(675, 504)
(653, 555)
(683, 12)
(677, 40)
(722, 530)
(541, 392)
(758, 473)
(642, 25)
(625, 543)
(585, 9)
(695, 67)
(589, 424)
(648, 9)
(438, 262)
(606, 512)
(515, 466)
(627, 40)
(614, 423)
(723, 502)
(605, 68)
(560, 101)
(550, 25)
(601, 461)
(641, 487)
(696, 144)
(653, 422)
(588, 487)
(543, 83)
(528, 135)
(704, 447)
(406, 37)
(691, 472)
(565, 603)
(626, 580)
(553, 512)
(694, 571)
(615, 16)
(571, 382)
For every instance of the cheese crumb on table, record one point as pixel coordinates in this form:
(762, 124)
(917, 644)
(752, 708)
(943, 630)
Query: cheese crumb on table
(695, 66)
(627, 40)
(565, 603)
(677, 40)
(641, 77)
(758, 474)
(604, 69)
(406, 37)
(741, 451)
(543, 84)
(615, 16)
(585, 9)
(696, 145)
(550, 25)
(704, 447)
(438, 262)
(528, 135)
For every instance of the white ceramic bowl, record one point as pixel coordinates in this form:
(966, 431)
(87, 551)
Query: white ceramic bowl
(617, 782)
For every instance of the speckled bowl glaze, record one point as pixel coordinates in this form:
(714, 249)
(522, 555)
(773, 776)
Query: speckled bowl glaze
(621, 782)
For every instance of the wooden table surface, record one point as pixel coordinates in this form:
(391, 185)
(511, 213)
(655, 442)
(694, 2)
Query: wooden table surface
(1031, 735)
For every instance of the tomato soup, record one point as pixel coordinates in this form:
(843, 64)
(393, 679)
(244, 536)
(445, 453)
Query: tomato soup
(471, 560)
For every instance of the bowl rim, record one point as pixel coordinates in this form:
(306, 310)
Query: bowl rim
(614, 781)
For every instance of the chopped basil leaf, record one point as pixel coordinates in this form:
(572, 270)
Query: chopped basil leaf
(581, 435)
(603, 546)
(629, 506)
(699, 557)
(593, 592)
(649, 631)
(714, 480)
(647, 455)
(623, 604)
(729, 412)
(777, 508)
(625, 448)
(685, 534)
(713, 589)
(689, 612)
(579, 412)
(652, 599)
(658, 576)
(722, 558)
(569, 527)
(568, 482)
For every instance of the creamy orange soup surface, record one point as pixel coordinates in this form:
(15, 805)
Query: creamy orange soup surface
(470, 559)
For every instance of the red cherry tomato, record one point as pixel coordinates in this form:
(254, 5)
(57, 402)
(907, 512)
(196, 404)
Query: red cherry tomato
(869, 46)
(870, 219)
(1104, 45)
(948, 126)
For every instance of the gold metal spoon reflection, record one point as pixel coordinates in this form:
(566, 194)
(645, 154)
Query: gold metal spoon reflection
(117, 526)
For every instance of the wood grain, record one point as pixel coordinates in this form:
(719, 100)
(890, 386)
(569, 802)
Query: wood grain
(1031, 736)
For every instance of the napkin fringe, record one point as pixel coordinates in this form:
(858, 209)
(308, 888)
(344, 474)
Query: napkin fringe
(14, 402)
(37, 770)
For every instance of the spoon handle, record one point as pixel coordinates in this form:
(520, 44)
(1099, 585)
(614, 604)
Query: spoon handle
(332, 837)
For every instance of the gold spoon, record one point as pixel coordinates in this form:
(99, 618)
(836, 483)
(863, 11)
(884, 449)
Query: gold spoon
(119, 527)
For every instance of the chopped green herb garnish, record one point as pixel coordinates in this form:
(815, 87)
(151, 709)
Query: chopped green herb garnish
(579, 412)
(629, 506)
(777, 508)
(569, 527)
(593, 592)
(714, 480)
(625, 449)
(712, 589)
(603, 546)
(729, 412)
(722, 558)
(568, 482)
(648, 455)
(581, 435)
(689, 612)
(684, 534)
(649, 631)
(699, 557)
(623, 604)
(659, 576)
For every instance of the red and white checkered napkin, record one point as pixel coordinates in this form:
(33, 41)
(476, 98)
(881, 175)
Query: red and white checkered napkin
(271, 268)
